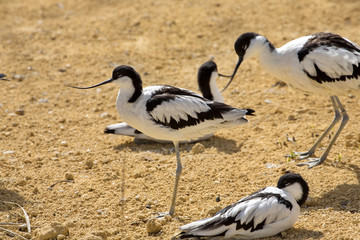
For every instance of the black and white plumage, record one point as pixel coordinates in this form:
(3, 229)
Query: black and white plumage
(322, 63)
(170, 113)
(3, 77)
(264, 213)
(207, 75)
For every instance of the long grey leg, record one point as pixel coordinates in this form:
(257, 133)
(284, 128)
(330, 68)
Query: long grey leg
(177, 178)
(337, 117)
(345, 118)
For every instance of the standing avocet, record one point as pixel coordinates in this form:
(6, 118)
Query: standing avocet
(264, 213)
(207, 75)
(322, 63)
(170, 113)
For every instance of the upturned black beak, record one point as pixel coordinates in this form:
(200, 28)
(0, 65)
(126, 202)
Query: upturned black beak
(233, 75)
(105, 82)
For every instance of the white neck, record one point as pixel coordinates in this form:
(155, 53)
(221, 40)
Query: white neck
(215, 92)
(268, 57)
(126, 90)
(295, 190)
(257, 46)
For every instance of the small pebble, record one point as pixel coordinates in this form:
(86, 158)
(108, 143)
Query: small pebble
(60, 237)
(141, 216)
(137, 175)
(258, 129)
(153, 226)
(104, 115)
(198, 148)
(278, 110)
(51, 232)
(89, 164)
(69, 176)
(20, 112)
(64, 143)
(70, 223)
(183, 199)
(291, 117)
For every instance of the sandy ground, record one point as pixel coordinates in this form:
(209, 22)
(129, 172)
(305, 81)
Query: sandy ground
(49, 132)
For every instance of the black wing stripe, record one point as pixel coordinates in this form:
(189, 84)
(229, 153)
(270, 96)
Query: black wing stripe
(250, 225)
(215, 112)
(321, 76)
(327, 40)
(167, 93)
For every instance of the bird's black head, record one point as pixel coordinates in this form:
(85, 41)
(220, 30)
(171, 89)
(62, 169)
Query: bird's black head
(243, 42)
(122, 71)
(296, 185)
(241, 45)
(125, 76)
(204, 77)
(126, 71)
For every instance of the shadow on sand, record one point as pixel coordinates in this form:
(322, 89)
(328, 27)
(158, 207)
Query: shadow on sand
(223, 145)
(9, 196)
(336, 198)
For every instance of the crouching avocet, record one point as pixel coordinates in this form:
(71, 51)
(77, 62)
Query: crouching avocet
(264, 213)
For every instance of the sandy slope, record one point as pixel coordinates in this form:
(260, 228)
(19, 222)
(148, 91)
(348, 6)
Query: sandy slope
(47, 44)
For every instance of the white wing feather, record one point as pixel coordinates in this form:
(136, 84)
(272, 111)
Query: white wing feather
(179, 108)
(257, 208)
(335, 62)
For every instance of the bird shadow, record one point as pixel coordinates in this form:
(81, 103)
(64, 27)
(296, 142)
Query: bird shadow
(224, 145)
(300, 233)
(337, 197)
(9, 196)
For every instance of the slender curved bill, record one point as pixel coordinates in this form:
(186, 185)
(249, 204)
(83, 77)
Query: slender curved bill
(223, 75)
(94, 86)
(233, 75)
